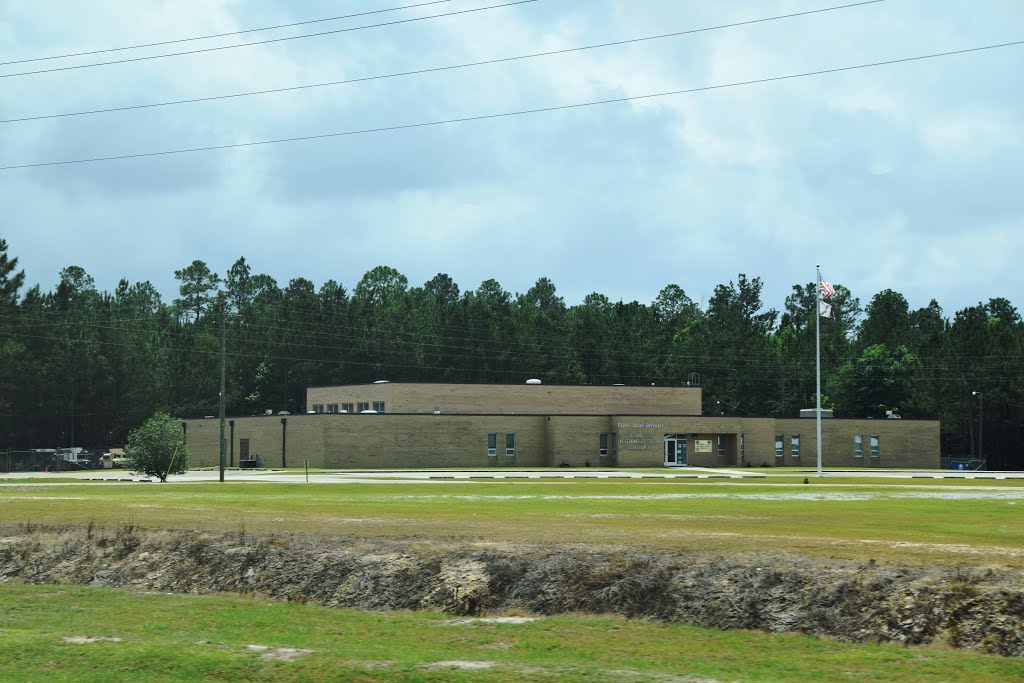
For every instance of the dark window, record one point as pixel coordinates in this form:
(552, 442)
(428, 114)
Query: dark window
(492, 444)
(874, 445)
(510, 444)
(378, 406)
(332, 407)
(603, 447)
(346, 407)
(779, 452)
(794, 445)
(858, 446)
(318, 407)
(723, 446)
(363, 406)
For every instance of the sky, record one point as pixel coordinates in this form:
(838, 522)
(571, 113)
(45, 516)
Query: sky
(906, 176)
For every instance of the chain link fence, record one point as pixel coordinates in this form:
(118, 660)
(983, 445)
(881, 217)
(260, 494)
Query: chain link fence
(49, 460)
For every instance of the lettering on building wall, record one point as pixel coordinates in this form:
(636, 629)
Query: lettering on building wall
(639, 441)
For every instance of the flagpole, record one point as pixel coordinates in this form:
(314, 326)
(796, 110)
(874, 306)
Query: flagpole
(817, 356)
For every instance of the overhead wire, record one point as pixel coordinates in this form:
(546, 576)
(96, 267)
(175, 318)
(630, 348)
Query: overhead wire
(320, 328)
(451, 67)
(266, 42)
(521, 112)
(341, 343)
(316, 330)
(223, 35)
(757, 376)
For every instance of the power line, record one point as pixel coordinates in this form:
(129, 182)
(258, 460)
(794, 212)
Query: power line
(440, 68)
(521, 112)
(223, 35)
(265, 42)
(752, 374)
(327, 340)
(120, 322)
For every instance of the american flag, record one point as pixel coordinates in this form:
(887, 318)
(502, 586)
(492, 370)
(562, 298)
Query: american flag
(827, 290)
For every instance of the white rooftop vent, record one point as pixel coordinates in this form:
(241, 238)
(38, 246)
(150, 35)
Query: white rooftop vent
(368, 412)
(381, 381)
(533, 381)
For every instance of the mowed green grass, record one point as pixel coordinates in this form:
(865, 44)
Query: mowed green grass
(203, 638)
(928, 523)
(226, 638)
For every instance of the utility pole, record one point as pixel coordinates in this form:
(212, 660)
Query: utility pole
(223, 315)
(981, 427)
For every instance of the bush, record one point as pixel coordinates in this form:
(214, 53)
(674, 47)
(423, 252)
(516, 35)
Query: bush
(157, 448)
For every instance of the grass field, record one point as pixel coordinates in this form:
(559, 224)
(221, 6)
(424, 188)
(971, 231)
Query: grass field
(60, 633)
(896, 521)
(901, 522)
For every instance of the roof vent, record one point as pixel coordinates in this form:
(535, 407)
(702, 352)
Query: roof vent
(533, 381)
(381, 381)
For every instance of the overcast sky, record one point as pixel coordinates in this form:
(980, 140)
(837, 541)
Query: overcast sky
(908, 176)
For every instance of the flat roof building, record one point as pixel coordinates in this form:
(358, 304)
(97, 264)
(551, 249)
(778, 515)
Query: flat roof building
(395, 425)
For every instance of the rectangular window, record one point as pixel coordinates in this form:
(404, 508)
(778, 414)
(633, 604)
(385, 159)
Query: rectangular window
(510, 443)
(615, 445)
(332, 407)
(363, 406)
(794, 445)
(318, 407)
(779, 452)
(874, 445)
(346, 407)
(858, 446)
(492, 444)
(378, 406)
(603, 445)
(723, 446)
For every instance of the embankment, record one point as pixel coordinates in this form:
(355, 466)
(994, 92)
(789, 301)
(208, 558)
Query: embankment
(975, 608)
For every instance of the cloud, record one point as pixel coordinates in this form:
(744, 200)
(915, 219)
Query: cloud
(902, 176)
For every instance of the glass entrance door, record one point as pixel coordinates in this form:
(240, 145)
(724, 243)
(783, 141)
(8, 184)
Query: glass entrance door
(675, 450)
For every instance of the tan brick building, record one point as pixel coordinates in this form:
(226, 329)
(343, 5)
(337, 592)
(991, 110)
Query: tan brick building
(393, 425)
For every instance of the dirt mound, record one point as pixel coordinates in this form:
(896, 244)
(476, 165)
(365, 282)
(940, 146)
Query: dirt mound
(967, 607)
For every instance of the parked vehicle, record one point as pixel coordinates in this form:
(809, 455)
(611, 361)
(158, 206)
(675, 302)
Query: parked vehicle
(114, 458)
(73, 458)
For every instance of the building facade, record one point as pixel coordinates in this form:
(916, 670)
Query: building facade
(392, 425)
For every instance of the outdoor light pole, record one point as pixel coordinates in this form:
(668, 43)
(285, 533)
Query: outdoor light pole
(981, 426)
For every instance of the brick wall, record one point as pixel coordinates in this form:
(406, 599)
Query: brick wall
(453, 440)
(514, 398)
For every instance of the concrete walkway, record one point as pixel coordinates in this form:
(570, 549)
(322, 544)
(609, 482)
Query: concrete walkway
(441, 476)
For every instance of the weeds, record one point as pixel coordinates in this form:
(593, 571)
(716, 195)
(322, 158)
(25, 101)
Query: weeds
(126, 540)
(976, 609)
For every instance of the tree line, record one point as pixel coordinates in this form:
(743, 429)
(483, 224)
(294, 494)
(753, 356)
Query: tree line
(80, 366)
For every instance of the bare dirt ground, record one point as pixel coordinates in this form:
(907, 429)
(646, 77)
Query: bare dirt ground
(977, 608)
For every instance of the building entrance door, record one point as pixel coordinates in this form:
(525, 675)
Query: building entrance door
(675, 450)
